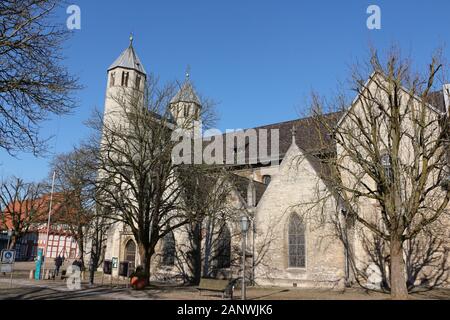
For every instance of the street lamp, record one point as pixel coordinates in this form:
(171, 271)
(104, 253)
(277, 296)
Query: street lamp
(244, 228)
(48, 221)
(10, 234)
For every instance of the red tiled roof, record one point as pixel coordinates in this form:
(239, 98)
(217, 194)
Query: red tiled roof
(35, 211)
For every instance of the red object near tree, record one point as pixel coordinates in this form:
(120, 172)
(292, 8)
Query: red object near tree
(138, 283)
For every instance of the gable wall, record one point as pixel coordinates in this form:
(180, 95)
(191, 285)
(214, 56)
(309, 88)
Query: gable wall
(296, 184)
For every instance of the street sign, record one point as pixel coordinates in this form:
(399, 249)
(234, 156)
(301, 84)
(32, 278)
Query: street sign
(115, 262)
(8, 256)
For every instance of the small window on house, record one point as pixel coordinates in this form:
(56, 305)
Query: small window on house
(267, 180)
(125, 76)
(186, 111)
(138, 81)
(112, 82)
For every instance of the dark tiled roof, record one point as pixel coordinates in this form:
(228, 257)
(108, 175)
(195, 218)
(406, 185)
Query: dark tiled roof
(242, 183)
(436, 99)
(128, 60)
(310, 136)
(186, 94)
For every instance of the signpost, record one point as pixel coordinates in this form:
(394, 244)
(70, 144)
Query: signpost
(8, 256)
(115, 265)
(40, 257)
(7, 260)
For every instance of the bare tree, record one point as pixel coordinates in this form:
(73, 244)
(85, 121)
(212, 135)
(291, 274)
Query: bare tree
(389, 168)
(33, 84)
(75, 176)
(206, 199)
(97, 233)
(138, 183)
(21, 206)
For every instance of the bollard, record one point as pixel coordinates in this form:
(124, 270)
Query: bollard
(31, 274)
(47, 276)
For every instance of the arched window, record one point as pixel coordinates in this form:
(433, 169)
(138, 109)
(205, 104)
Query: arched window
(138, 81)
(125, 76)
(223, 252)
(168, 251)
(112, 82)
(296, 234)
(130, 251)
(266, 180)
(186, 111)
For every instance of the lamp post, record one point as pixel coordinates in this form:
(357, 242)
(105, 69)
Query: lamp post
(244, 229)
(48, 221)
(253, 251)
(10, 234)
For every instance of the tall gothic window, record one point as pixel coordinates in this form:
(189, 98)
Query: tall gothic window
(296, 236)
(168, 251)
(130, 251)
(223, 252)
(386, 162)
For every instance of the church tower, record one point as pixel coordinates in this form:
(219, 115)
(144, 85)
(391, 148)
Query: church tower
(186, 108)
(126, 83)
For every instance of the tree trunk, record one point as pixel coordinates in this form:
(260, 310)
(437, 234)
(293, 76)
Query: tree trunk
(95, 257)
(399, 291)
(145, 256)
(92, 274)
(81, 249)
(208, 249)
(196, 253)
(80, 239)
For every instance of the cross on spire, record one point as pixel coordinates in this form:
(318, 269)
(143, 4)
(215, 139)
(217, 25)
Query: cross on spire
(188, 72)
(294, 133)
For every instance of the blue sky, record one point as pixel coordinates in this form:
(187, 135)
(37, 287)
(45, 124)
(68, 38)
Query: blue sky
(258, 59)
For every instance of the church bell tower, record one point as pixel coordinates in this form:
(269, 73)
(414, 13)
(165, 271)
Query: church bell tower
(126, 83)
(186, 108)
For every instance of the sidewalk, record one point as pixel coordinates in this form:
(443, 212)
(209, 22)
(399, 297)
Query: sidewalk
(58, 290)
(24, 288)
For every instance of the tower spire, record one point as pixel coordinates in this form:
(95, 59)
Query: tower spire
(129, 59)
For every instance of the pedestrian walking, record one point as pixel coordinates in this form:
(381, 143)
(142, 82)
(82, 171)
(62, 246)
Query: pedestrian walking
(58, 264)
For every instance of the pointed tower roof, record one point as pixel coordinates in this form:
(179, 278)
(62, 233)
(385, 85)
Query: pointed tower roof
(186, 93)
(128, 60)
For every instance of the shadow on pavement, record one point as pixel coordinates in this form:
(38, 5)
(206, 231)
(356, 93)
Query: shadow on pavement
(52, 294)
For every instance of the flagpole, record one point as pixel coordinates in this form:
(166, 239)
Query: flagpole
(48, 222)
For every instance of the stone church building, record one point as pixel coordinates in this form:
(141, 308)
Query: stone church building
(283, 248)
